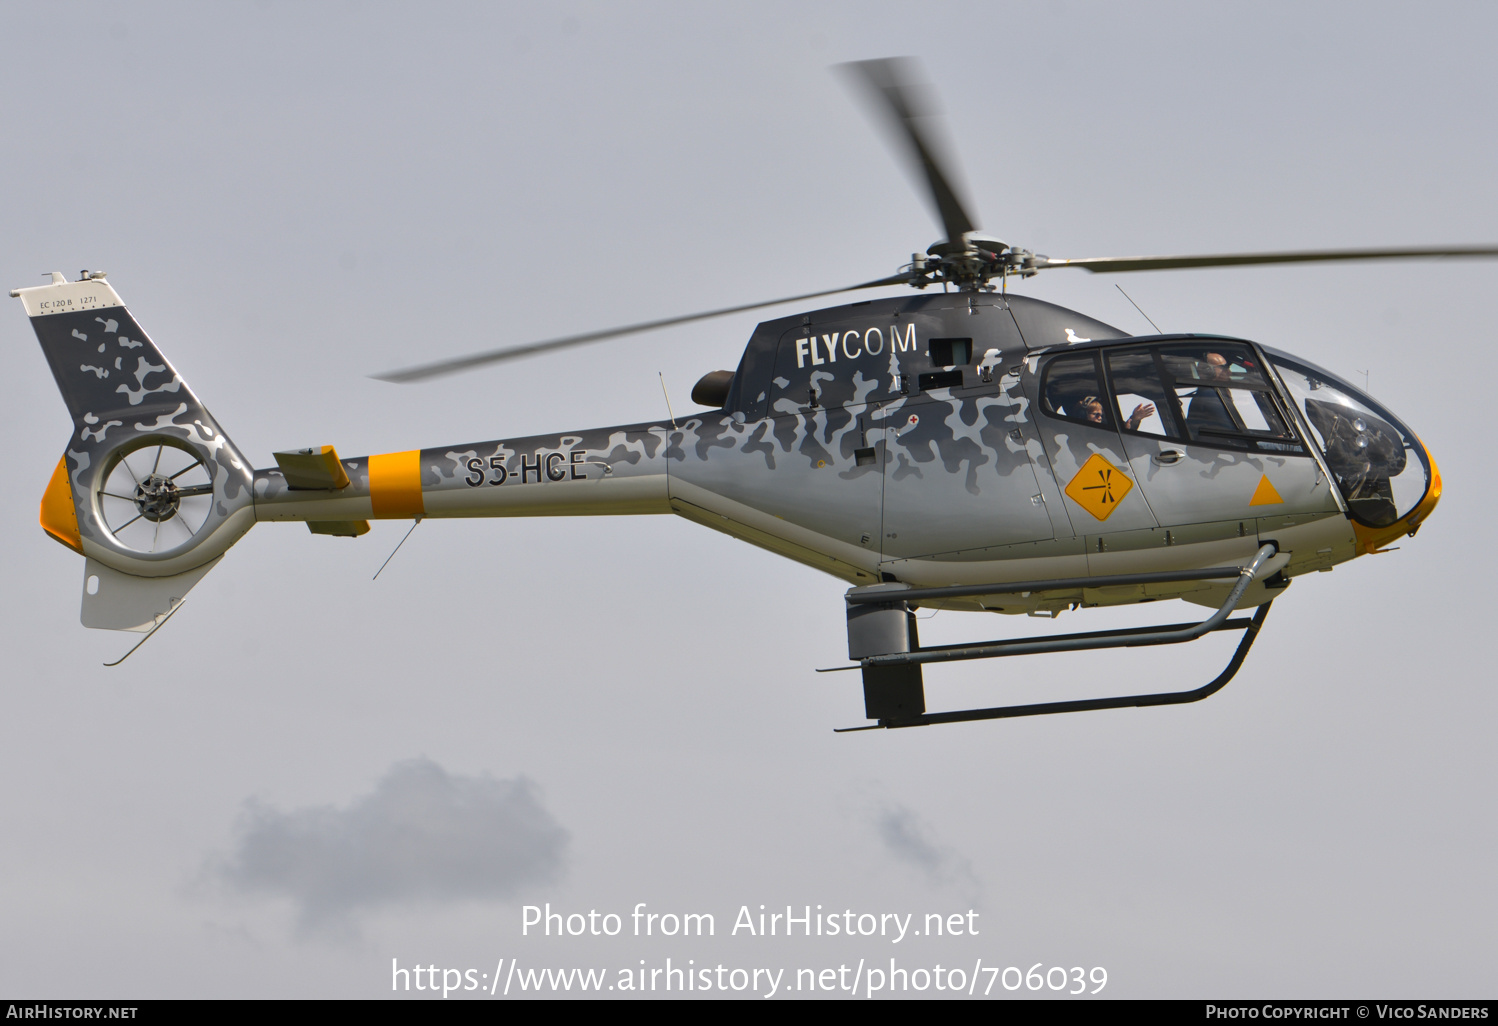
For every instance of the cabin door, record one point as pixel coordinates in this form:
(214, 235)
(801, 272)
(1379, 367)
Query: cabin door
(959, 481)
(1208, 439)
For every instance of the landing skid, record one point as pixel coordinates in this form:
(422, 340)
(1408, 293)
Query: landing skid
(1250, 632)
(881, 636)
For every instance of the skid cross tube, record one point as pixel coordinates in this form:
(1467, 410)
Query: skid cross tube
(1227, 625)
(1236, 624)
(1167, 635)
(860, 596)
(1082, 643)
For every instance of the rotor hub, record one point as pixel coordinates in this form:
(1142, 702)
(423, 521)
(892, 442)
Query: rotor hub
(970, 263)
(157, 498)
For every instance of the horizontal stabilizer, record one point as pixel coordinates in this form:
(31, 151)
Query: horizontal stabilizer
(313, 468)
(339, 528)
(123, 602)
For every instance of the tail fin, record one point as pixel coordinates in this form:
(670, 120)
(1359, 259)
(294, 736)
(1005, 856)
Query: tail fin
(150, 489)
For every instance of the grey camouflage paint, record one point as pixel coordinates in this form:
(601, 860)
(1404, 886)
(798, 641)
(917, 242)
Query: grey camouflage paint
(838, 457)
(842, 445)
(122, 394)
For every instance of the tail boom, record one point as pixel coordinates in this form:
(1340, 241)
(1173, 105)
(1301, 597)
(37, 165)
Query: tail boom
(600, 472)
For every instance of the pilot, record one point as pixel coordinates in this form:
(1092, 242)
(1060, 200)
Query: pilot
(1207, 412)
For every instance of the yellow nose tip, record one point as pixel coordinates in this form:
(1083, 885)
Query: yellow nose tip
(1371, 539)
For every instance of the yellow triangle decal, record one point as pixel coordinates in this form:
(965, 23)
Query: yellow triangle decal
(1265, 495)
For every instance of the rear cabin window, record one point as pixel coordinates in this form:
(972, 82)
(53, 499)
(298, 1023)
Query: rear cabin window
(1073, 390)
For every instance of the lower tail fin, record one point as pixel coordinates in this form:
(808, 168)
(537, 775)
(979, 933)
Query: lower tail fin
(149, 488)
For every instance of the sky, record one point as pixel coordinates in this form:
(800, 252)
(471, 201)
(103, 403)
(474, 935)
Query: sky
(308, 774)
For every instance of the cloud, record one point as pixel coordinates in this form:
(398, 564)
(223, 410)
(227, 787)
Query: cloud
(910, 840)
(423, 835)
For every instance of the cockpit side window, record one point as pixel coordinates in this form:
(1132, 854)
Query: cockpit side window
(1140, 399)
(1204, 393)
(1222, 398)
(1073, 390)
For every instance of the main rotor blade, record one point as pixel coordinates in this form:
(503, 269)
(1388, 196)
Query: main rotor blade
(897, 81)
(465, 363)
(1304, 256)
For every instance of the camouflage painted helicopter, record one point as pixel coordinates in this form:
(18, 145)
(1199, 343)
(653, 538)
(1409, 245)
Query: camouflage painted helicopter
(963, 448)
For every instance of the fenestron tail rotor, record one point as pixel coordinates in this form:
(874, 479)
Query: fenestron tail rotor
(156, 497)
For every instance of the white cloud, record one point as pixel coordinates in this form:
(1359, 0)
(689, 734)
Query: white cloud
(422, 835)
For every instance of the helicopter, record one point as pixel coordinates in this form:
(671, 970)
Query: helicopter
(959, 447)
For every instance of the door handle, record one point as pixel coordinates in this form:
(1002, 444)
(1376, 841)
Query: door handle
(1169, 457)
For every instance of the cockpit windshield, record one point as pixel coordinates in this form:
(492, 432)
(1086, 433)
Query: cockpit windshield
(1380, 467)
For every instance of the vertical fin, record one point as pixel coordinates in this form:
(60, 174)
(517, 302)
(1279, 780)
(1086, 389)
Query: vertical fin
(149, 489)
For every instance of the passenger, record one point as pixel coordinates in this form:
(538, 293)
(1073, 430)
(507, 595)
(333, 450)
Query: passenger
(1141, 413)
(1092, 412)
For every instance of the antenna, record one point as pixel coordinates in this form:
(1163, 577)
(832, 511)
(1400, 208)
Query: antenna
(160, 624)
(1141, 312)
(668, 400)
(397, 548)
